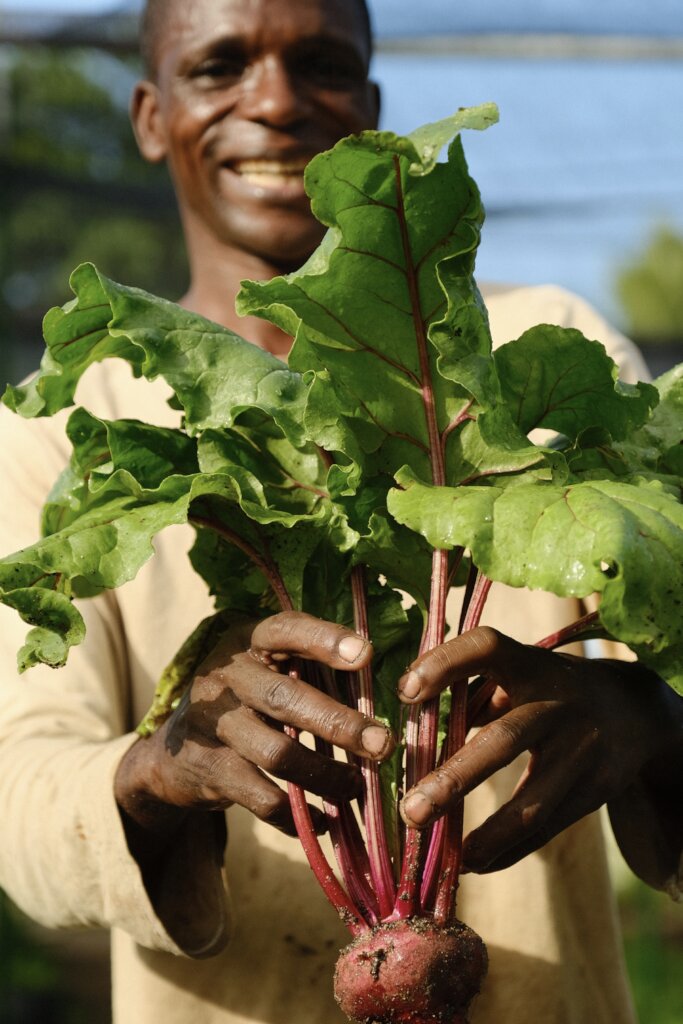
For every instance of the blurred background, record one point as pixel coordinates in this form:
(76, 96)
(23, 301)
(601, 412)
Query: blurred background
(583, 185)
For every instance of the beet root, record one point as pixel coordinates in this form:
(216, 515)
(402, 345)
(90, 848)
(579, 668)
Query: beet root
(410, 972)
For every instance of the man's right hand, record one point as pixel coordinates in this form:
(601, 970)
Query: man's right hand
(227, 733)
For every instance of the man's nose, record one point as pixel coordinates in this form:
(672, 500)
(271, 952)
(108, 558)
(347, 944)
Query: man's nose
(272, 96)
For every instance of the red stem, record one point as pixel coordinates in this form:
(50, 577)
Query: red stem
(269, 569)
(427, 387)
(345, 834)
(378, 848)
(582, 629)
(451, 839)
(421, 741)
(297, 797)
(324, 874)
(477, 603)
(352, 859)
(451, 834)
(422, 729)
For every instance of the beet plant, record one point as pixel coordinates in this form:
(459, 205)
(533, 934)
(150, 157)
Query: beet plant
(390, 457)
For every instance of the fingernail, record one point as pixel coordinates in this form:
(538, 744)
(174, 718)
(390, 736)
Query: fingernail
(410, 686)
(351, 648)
(418, 809)
(375, 739)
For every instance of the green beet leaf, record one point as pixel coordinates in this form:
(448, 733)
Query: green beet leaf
(289, 474)
(386, 314)
(215, 375)
(599, 536)
(553, 377)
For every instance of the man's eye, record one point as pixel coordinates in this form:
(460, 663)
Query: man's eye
(219, 68)
(331, 72)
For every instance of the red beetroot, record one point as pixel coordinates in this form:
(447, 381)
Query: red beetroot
(410, 972)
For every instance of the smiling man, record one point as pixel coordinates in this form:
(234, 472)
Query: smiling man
(102, 828)
(241, 95)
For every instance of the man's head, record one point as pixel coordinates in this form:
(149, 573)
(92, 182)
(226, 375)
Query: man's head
(242, 93)
(154, 19)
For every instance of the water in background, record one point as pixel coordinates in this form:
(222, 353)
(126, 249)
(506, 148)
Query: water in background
(586, 161)
(617, 17)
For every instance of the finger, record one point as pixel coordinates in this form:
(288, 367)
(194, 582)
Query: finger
(286, 758)
(217, 777)
(480, 651)
(294, 702)
(547, 791)
(300, 635)
(493, 747)
(477, 859)
(485, 701)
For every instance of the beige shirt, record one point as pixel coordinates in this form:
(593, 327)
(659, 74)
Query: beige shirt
(549, 922)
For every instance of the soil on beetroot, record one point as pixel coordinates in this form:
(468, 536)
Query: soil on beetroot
(411, 972)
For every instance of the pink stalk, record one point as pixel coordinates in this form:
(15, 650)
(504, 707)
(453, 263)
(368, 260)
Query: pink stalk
(302, 818)
(421, 741)
(345, 834)
(352, 859)
(324, 874)
(378, 849)
(451, 832)
(582, 629)
(475, 609)
(269, 569)
(451, 839)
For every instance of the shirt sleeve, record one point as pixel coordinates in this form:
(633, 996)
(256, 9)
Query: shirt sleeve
(63, 856)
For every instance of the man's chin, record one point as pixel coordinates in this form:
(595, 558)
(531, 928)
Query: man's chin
(285, 242)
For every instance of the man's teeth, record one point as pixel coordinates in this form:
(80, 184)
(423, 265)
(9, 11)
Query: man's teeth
(270, 172)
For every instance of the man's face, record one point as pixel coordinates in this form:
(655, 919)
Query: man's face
(249, 91)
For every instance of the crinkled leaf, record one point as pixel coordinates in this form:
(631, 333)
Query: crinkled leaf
(60, 626)
(214, 374)
(659, 444)
(399, 555)
(109, 538)
(387, 307)
(147, 453)
(110, 541)
(556, 378)
(76, 336)
(430, 139)
(599, 536)
(490, 445)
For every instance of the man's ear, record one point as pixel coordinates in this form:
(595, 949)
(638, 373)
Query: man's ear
(377, 99)
(148, 126)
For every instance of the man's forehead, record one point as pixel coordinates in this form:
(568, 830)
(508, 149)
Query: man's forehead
(204, 20)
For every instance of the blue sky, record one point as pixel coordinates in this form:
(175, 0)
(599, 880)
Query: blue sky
(657, 17)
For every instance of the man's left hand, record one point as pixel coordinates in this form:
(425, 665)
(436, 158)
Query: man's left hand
(591, 727)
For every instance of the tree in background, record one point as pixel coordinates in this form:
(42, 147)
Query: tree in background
(651, 290)
(73, 188)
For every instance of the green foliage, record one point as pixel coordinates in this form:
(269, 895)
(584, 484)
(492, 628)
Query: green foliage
(393, 431)
(25, 966)
(653, 942)
(73, 187)
(651, 289)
